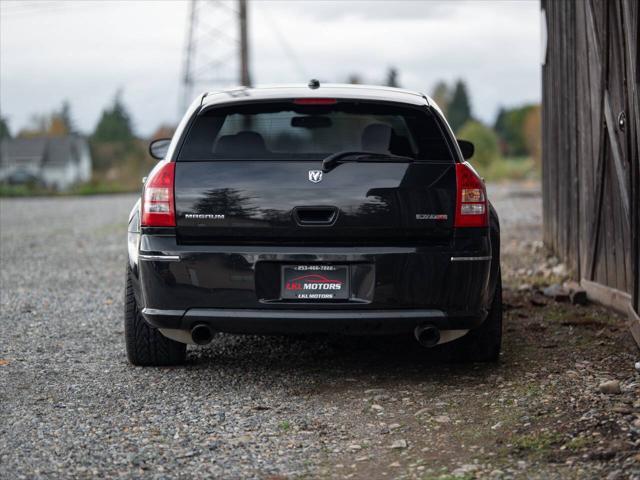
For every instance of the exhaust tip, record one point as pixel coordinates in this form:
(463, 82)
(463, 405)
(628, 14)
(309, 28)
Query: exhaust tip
(427, 335)
(201, 334)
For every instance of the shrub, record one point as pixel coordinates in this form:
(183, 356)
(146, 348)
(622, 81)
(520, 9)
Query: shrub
(484, 140)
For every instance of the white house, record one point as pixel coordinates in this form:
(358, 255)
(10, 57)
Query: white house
(54, 162)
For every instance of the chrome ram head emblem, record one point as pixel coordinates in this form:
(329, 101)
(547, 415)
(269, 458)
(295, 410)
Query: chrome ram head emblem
(315, 176)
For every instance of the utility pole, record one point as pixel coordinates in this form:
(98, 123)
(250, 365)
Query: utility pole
(216, 50)
(187, 80)
(245, 78)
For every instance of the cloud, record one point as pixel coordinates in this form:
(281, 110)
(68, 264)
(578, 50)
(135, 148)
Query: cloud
(85, 50)
(330, 10)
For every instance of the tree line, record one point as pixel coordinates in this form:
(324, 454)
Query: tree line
(119, 156)
(515, 133)
(118, 152)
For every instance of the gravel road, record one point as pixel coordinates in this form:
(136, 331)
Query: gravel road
(279, 407)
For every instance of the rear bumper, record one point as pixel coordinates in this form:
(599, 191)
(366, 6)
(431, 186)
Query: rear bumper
(236, 289)
(307, 321)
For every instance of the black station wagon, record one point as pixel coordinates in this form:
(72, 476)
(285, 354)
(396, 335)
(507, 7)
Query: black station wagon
(319, 208)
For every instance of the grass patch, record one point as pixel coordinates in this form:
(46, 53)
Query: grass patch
(446, 476)
(510, 168)
(578, 443)
(93, 187)
(285, 425)
(531, 390)
(22, 191)
(540, 442)
(587, 318)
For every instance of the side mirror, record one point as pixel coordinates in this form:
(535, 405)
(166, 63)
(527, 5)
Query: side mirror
(467, 148)
(158, 148)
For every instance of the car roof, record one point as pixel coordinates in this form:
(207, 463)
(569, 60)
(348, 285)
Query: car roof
(344, 91)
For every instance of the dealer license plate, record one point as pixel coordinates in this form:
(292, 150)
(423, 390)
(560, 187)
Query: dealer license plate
(315, 282)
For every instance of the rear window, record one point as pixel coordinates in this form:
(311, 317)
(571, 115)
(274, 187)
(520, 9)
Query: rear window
(288, 131)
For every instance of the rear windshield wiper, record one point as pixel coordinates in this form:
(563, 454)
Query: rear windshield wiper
(333, 160)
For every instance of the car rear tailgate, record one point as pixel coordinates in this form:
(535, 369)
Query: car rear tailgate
(274, 201)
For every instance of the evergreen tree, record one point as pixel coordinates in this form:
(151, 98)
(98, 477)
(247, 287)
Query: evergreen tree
(4, 129)
(510, 127)
(354, 79)
(115, 123)
(65, 116)
(442, 96)
(392, 77)
(459, 111)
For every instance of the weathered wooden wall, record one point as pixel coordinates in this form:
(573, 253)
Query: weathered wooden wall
(591, 169)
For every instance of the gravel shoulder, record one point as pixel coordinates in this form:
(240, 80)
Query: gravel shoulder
(297, 407)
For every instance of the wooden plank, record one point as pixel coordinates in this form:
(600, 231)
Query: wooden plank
(551, 128)
(632, 37)
(636, 99)
(607, 246)
(619, 192)
(594, 31)
(591, 168)
(551, 164)
(589, 124)
(574, 200)
(617, 157)
(634, 323)
(596, 221)
(607, 296)
(614, 251)
(559, 147)
(594, 229)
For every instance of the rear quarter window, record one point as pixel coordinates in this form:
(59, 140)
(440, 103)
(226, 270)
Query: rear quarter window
(287, 131)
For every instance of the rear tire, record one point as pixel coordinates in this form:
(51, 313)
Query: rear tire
(482, 344)
(145, 345)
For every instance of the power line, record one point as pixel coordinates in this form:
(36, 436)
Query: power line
(20, 9)
(286, 46)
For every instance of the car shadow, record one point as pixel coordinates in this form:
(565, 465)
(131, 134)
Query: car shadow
(333, 358)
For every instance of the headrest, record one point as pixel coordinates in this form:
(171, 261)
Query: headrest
(376, 138)
(242, 143)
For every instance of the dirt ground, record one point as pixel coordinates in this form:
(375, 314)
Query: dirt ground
(298, 407)
(539, 413)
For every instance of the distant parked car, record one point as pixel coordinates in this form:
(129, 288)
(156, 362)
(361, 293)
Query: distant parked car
(333, 208)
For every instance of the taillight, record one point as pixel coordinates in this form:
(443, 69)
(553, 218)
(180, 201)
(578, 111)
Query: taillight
(158, 207)
(471, 199)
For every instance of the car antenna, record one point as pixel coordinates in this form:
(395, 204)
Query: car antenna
(313, 84)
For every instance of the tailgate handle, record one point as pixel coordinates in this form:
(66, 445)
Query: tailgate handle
(315, 216)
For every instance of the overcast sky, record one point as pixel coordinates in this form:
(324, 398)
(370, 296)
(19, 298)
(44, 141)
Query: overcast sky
(84, 51)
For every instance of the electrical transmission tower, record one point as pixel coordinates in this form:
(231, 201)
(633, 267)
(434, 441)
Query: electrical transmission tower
(217, 46)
